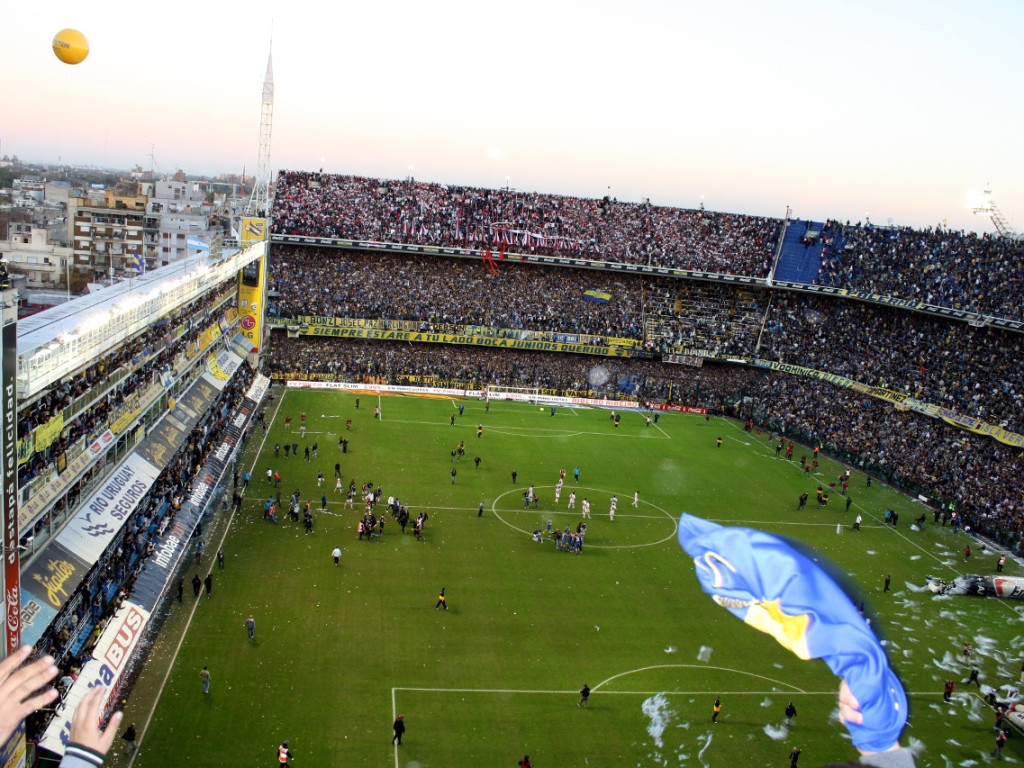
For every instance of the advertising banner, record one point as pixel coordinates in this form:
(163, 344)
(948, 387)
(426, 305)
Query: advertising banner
(453, 338)
(108, 663)
(9, 488)
(34, 507)
(50, 580)
(99, 519)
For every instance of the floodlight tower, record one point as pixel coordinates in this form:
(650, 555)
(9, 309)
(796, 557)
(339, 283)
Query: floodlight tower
(985, 205)
(252, 296)
(259, 202)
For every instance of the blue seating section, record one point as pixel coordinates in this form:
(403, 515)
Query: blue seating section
(800, 262)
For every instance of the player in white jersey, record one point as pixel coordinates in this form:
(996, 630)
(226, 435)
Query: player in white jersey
(558, 491)
(586, 508)
(636, 498)
(337, 484)
(611, 509)
(572, 500)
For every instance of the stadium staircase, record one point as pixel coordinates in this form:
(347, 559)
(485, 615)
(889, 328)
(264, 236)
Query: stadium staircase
(800, 259)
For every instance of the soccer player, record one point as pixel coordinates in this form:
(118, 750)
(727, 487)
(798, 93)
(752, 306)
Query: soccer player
(572, 500)
(611, 509)
(636, 499)
(586, 508)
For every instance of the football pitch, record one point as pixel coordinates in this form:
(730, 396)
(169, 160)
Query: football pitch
(340, 651)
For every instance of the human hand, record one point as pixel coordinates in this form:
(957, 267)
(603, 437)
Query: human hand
(849, 712)
(19, 688)
(85, 725)
(849, 707)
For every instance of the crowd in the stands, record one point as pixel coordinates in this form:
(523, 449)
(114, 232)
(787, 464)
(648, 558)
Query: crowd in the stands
(971, 370)
(141, 361)
(978, 475)
(942, 267)
(72, 636)
(967, 369)
(465, 366)
(336, 283)
(409, 211)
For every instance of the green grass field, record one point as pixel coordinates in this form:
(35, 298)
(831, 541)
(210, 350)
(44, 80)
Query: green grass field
(339, 651)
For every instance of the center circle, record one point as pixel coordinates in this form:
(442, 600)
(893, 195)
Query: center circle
(600, 527)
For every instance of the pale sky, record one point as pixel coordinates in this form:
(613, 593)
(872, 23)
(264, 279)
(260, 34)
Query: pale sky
(890, 108)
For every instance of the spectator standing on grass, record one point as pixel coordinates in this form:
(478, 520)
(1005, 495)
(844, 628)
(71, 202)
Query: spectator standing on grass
(336, 554)
(584, 697)
(208, 581)
(793, 757)
(973, 678)
(129, 737)
(197, 584)
(888, 579)
(790, 714)
(1000, 741)
(204, 677)
(250, 627)
(525, 762)
(220, 558)
(399, 728)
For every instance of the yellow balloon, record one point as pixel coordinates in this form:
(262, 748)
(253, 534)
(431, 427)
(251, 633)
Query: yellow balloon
(70, 46)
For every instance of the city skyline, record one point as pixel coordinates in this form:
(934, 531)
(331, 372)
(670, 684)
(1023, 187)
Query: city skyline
(888, 110)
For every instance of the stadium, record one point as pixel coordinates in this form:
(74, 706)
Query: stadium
(397, 472)
(463, 351)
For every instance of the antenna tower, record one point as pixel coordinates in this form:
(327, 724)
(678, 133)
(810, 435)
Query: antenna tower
(259, 202)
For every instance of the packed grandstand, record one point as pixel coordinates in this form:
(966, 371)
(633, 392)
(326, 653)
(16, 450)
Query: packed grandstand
(894, 349)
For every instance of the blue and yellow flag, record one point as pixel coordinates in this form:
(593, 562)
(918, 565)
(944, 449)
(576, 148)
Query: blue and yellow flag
(775, 588)
(601, 297)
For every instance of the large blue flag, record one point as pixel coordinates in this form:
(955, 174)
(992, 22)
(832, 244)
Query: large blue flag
(775, 588)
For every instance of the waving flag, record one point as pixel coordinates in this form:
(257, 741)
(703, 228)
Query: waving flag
(193, 243)
(773, 587)
(600, 297)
